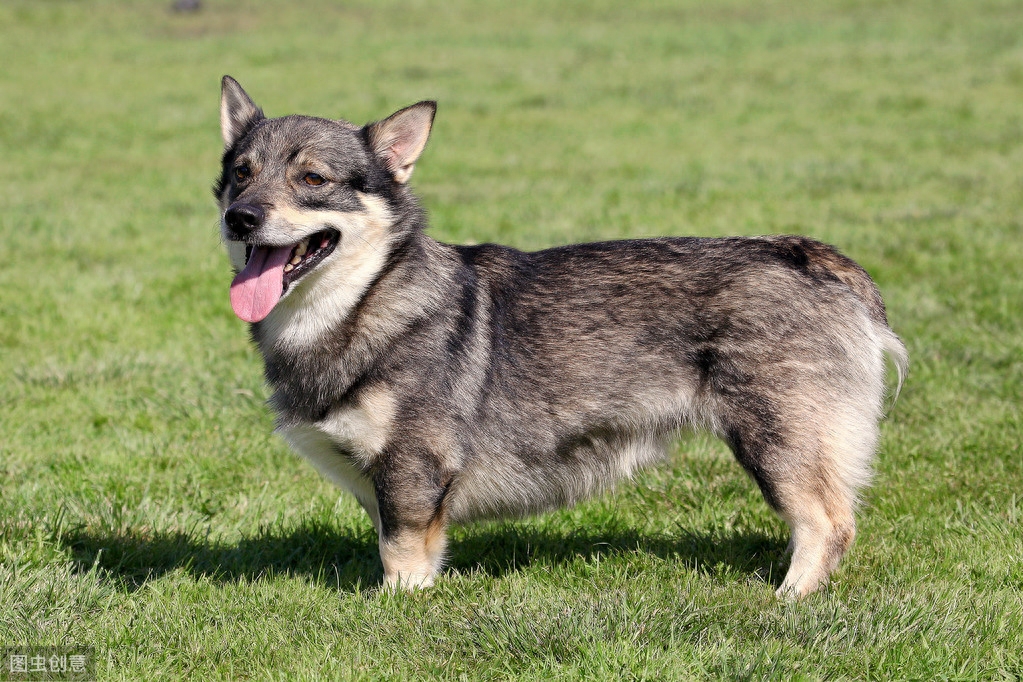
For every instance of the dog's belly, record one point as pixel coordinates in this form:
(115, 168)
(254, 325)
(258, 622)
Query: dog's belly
(504, 485)
(330, 458)
(492, 486)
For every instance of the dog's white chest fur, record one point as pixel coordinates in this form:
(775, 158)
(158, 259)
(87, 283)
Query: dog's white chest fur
(341, 445)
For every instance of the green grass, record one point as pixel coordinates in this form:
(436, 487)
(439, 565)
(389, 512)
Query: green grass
(147, 511)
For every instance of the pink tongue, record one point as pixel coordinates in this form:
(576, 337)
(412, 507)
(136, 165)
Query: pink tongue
(256, 289)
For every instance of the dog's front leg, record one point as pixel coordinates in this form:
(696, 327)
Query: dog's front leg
(412, 556)
(413, 521)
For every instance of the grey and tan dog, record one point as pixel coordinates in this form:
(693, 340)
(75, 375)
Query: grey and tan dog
(442, 383)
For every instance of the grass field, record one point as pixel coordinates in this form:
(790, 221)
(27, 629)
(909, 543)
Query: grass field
(147, 511)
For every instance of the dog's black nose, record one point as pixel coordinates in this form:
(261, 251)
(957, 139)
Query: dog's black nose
(244, 218)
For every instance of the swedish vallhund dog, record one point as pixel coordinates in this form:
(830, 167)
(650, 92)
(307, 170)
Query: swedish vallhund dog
(440, 384)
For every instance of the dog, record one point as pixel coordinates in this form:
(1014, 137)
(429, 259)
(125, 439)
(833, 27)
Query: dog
(440, 384)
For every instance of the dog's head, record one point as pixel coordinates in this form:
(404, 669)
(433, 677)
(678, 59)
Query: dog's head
(298, 193)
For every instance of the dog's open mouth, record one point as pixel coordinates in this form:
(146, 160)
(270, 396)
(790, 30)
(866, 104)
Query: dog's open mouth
(269, 271)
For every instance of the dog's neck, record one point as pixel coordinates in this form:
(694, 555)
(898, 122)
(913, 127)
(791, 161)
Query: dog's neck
(321, 341)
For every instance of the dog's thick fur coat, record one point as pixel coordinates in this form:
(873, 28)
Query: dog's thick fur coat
(443, 383)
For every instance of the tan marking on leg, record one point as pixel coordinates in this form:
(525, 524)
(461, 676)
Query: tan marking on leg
(823, 528)
(827, 464)
(437, 540)
(413, 556)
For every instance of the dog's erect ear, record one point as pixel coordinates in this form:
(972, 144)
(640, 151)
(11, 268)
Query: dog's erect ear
(238, 113)
(399, 139)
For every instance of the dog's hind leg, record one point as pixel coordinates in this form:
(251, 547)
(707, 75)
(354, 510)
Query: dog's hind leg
(811, 480)
(823, 529)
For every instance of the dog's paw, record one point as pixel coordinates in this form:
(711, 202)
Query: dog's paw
(407, 582)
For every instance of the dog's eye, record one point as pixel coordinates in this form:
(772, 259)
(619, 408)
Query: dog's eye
(242, 173)
(314, 179)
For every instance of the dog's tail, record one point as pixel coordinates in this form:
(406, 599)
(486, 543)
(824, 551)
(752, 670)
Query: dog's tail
(825, 262)
(896, 350)
(856, 278)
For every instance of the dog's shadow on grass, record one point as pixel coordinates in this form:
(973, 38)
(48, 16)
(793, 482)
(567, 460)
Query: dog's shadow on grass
(500, 549)
(347, 559)
(344, 559)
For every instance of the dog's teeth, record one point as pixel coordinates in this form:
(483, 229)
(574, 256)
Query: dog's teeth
(289, 267)
(303, 246)
(296, 260)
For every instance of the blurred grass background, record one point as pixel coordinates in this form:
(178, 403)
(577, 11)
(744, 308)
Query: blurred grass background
(146, 509)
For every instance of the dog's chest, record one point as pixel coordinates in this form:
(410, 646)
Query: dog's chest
(346, 442)
(333, 447)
